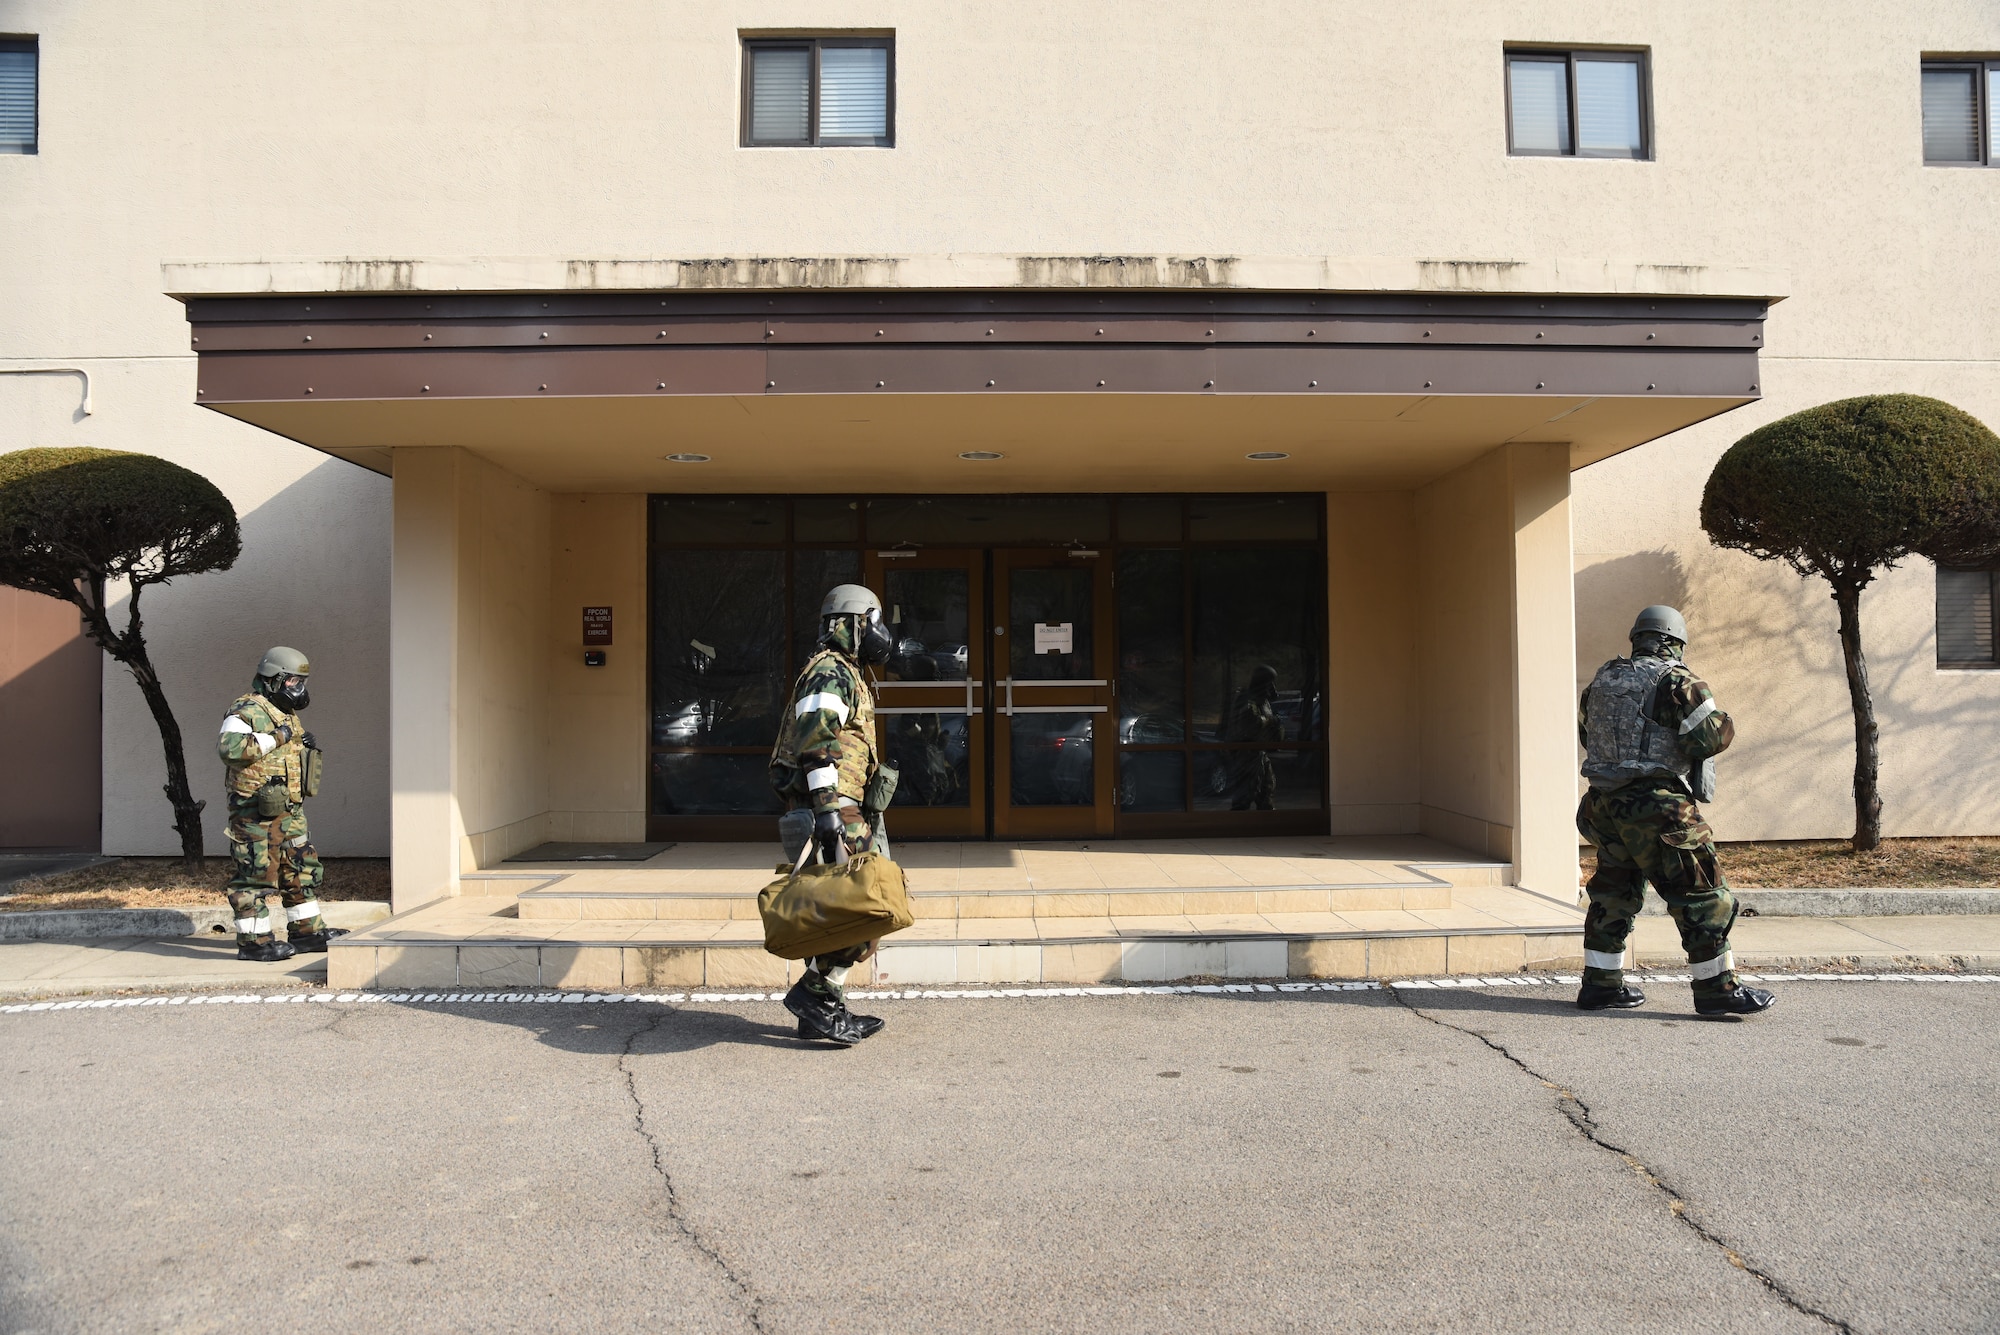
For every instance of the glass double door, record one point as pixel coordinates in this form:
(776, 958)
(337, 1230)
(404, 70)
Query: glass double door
(995, 703)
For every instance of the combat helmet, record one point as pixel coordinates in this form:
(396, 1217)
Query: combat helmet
(1661, 620)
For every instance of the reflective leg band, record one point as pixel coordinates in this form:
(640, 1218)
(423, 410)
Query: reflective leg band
(1714, 968)
(248, 926)
(300, 912)
(837, 976)
(1603, 959)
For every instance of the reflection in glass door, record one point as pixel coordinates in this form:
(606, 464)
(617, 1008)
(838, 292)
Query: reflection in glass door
(929, 711)
(1052, 772)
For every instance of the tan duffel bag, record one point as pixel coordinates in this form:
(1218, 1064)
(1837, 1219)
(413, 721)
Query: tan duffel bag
(826, 907)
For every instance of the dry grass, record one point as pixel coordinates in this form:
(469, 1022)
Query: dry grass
(147, 883)
(1903, 864)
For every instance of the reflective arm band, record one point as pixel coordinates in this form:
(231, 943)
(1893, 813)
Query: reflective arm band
(1714, 968)
(826, 776)
(1698, 717)
(821, 700)
(265, 741)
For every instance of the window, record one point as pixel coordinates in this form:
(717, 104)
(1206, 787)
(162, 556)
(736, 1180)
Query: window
(1961, 113)
(18, 62)
(1586, 104)
(1966, 603)
(824, 92)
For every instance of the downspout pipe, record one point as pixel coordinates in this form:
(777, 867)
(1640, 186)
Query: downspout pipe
(55, 370)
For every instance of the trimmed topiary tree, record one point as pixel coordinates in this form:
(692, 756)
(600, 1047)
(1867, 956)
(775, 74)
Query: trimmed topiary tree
(75, 521)
(1846, 490)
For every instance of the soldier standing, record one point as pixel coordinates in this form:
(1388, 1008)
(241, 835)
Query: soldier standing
(266, 756)
(1252, 719)
(1650, 732)
(823, 763)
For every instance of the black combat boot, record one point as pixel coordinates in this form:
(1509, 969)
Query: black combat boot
(1738, 1000)
(314, 943)
(821, 1015)
(1598, 997)
(266, 952)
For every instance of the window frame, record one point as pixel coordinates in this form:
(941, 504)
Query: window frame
(33, 46)
(1569, 56)
(815, 43)
(1982, 69)
(1992, 574)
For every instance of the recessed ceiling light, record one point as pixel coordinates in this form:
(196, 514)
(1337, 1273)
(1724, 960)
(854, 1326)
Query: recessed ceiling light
(1265, 455)
(686, 458)
(980, 456)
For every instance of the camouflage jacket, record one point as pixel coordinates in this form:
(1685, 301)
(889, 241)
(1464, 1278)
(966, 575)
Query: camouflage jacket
(1682, 704)
(252, 755)
(830, 722)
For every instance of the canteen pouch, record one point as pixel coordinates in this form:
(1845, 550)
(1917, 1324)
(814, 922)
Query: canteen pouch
(1702, 781)
(827, 907)
(271, 800)
(315, 765)
(794, 830)
(881, 789)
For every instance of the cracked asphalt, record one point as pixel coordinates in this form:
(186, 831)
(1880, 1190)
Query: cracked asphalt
(1443, 1161)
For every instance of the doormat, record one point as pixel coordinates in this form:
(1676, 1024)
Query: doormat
(560, 852)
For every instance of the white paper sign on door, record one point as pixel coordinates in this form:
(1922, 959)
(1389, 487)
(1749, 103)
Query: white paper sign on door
(1054, 637)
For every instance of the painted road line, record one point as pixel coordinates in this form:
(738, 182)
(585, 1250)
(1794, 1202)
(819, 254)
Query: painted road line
(546, 997)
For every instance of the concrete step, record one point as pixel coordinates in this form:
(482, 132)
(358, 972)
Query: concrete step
(472, 942)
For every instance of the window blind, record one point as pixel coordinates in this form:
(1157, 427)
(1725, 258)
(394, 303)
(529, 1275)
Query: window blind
(1965, 616)
(781, 96)
(17, 98)
(1992, 109)
(1607, 108)
(853, 92)
(1538, 98)
(1951, 116)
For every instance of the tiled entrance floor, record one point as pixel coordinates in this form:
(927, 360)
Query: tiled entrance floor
(1073, 912)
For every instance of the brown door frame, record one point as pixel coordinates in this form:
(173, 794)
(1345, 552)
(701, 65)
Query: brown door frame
(1094, 694)
(976, 700)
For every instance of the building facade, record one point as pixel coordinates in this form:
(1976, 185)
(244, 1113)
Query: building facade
(1389, 354)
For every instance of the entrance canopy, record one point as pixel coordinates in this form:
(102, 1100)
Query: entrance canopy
(1076, 391)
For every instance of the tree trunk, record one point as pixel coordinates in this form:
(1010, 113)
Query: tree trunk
(129, 648)
(1867, 800)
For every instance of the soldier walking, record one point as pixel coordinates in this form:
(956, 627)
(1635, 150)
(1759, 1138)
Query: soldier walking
(1650, 731)
(267, 757)
(823, 763)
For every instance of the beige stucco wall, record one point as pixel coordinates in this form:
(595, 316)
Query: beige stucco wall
(1787, 141)
(1372, 657)
(597, 716)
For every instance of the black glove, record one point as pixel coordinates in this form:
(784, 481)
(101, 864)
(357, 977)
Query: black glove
(312, 743)
(282, 733)
(827, 828)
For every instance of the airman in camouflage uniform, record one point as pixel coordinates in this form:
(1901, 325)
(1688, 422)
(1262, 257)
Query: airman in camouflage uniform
(265, 755)
(823, 762)
(1650, 729)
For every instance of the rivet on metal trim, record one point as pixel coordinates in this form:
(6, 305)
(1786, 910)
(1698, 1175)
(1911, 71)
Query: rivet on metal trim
(1206, 384)
(1540, 335)
(770, 384)
(1652, 336)
(1753, 387)
(989, 384)
(989, 333)
(544, 386)
(428, 337)
(309, 389)
(662, 334)
(1427, 333)
(427, 389)
(197, 338)
(1100, 331)
(1100, 384)
(1541, 385)
(1311, 333)
(1427, 384)
(545, 333)
(309, 338)
(1211, 333)
(878, 333)
(663, 384)
(1651, 387)
(880, 383)
(1312, 384)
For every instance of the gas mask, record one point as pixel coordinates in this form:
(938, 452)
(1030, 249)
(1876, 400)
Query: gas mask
(878, 644)
(1652, 644)
(289, 693)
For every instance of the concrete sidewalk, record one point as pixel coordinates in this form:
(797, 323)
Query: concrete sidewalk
(1954, 941)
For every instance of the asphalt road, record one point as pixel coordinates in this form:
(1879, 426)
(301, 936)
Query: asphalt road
(1482, 1162)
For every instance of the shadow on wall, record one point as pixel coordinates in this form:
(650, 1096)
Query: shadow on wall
(1609, 594)
(314, 574)
(49, 678)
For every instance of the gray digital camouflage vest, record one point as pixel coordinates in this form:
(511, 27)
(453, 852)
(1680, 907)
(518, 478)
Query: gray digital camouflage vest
(1621, 743)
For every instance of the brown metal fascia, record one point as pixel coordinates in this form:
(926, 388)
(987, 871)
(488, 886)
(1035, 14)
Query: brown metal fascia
(243, 377)
(401, 347)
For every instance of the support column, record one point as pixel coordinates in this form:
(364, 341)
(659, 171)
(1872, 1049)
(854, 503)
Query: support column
(423, 648)
(1545, 848)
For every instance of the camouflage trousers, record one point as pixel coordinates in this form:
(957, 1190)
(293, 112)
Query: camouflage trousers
(1254, 781)
(273, 856)
(1651, 831)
